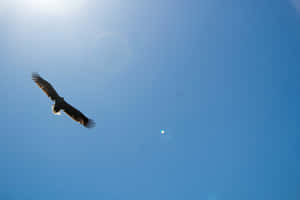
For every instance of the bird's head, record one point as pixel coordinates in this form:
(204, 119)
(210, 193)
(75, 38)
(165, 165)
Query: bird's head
(55, 109)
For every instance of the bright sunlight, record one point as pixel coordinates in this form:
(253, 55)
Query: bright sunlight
(51, 7)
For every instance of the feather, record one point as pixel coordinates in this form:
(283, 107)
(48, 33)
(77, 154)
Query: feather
(45, 86)
(77, 115)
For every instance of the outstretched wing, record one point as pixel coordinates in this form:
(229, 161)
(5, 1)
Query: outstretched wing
(77, 115)
(45, 86)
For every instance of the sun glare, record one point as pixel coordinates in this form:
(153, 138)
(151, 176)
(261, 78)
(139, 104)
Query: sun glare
(46, 6)
(51, 7)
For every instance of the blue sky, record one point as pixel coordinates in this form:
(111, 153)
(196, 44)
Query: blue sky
(220, 77)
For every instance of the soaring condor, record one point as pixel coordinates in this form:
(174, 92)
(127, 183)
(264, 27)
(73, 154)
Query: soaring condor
(60, 103)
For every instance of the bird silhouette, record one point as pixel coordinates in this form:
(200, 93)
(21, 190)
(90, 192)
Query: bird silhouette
(60, 103)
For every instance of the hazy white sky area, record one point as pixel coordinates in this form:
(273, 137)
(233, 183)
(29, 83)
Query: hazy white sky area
(64, 31)
(42, 7)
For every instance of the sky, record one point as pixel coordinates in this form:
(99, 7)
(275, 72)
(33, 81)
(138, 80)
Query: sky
(219, 77)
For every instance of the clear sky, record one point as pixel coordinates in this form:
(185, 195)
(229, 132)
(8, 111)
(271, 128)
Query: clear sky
(220, 77)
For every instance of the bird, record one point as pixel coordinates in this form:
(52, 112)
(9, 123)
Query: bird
(60, 103)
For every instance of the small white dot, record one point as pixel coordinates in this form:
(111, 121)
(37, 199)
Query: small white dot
(162, 132)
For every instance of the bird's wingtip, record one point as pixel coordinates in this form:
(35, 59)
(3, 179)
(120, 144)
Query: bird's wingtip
(35, 75)
(90, 123)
